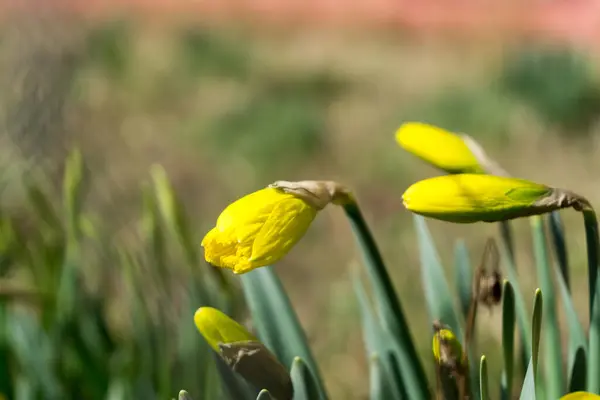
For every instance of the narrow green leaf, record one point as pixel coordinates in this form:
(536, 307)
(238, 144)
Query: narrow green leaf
(593, 383)
(306, 386)
(507, 239)
(437, 292)
(389, 307)
(552, 341)
(577, 337)
(528, 389)
(372, 333)
(378, 342)
(73, 192)
(578, 371)
(43, 207)
(276, 321)
(508, 339)
(264, 395)
(483, 379)
(591, 238)
(536, 326)
(464, 276)
(523, 321)
(560, 247)
(381, 388)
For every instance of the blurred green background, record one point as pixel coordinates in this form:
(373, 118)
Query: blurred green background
(225, 111)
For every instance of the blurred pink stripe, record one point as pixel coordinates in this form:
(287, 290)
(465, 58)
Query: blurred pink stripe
(572, 20)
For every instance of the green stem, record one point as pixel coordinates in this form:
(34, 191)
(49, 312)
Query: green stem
(390, 308)
(591, 237)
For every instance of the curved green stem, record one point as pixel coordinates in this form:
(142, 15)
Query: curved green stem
(389, 306)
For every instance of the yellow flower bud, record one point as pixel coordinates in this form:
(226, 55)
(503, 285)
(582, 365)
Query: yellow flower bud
(447, 350)
(468, 198)
(260, 228)
(580, 396)
(243, 353)
(448, 151)
(217, 328)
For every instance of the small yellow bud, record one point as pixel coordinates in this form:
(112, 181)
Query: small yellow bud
(447, 350)
(468, 198)
(445, 150)
(580, 396)
(216, 327)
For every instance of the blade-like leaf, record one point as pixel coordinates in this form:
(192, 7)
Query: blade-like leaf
(483, 379)
(552, 352)
(264, 395)
(508, 339)
(560, 247)
(523, 321)
(437, 293)
(528, 389)
(593, 383)
(276, 321)
(591, 238)
(464, 276)
(389, 308)
(381, 387)
(536, 326)
(306, 386)
(578, 372)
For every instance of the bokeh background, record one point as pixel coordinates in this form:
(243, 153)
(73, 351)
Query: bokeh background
(229, 96)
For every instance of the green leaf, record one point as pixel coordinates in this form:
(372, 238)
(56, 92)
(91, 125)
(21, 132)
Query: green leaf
(437, 292)
(73, 193)
(591, 238)
(464, 276)
(377, 341)
(306, 386)
(552, 341)
(389, 308)
(578, 372)
(381, 386)
(536, 326)
(523, 321)
(276, 321)
(528, 389)
(577, 340)
(560, 246)
(483, 379)
(264, 395)
(593, 383)
(508, 339)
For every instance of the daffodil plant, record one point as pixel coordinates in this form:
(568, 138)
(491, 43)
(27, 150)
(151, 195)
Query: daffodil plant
(259, 229)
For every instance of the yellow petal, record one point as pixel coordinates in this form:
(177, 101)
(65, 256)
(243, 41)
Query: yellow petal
(467, 198)
(445, 150)
(216, 327)
(580, 396)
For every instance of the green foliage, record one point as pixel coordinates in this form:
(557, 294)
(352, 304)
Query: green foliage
(281, 122)
(108, 47)
(556, 82)
(58, 337)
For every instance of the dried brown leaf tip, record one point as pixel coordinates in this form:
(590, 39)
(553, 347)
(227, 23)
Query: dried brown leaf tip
(488, 280)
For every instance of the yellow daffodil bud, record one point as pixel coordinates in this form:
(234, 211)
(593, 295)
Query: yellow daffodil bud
(447, 350)
(468, 198)
(260, 228)
(445, 150)
(580, 396)
(217, 327)
(243, 353)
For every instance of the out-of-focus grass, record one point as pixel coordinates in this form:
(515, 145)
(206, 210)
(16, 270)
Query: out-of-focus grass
(229, 111)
